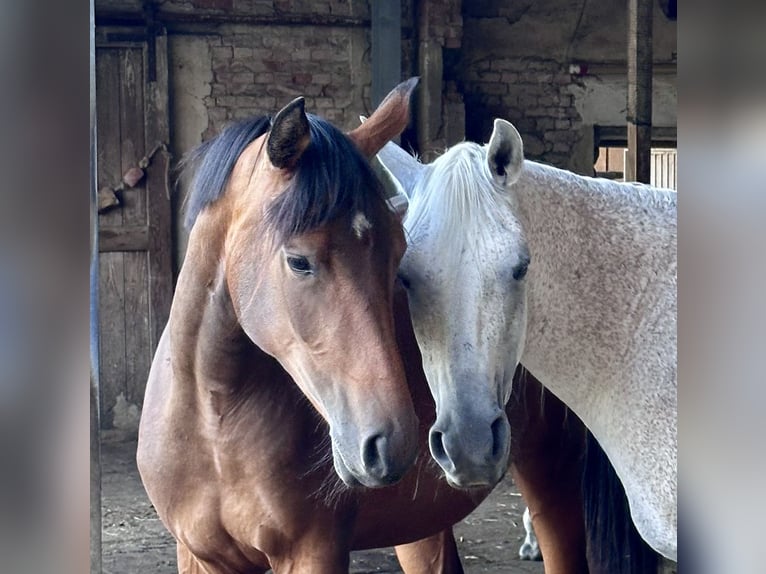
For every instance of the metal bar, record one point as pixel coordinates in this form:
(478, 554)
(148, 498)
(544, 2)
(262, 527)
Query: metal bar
(95, 415)
(386, 47)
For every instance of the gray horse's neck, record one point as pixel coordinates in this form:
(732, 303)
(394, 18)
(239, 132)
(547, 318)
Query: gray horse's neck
(603, 264)
(601, 331)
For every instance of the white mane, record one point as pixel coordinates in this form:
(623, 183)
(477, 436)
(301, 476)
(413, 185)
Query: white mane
(457, 201)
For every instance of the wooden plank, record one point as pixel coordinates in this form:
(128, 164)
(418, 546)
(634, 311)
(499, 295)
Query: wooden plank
(111, 269)
(639, 113)
(111, 332)
(137, 339)
(123, 238)
(132, 142)
(158, 197)
(109, 147)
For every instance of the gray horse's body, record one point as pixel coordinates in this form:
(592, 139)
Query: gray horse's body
(601, 331)
(599, 297)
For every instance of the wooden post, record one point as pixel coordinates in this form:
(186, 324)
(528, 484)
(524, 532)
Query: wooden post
(429, 96)
(639, 116)
(386, 47)
(95, 420)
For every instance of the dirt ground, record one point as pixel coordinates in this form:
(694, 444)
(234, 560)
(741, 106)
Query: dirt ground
(134, 539)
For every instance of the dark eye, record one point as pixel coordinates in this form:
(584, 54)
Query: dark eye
(404, 281)
(299, 265)
(521, 269)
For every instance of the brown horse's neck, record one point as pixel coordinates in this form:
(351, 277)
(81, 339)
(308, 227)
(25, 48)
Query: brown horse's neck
(209, 351)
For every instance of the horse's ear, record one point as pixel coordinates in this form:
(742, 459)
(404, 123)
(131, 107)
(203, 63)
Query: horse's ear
(387, 121)
(505, 156)
(396, 198)
(401, 167)
(289, 136)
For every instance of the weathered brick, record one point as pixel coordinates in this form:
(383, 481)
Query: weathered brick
(545, 124)
(533, 146)
(322, 78)
(564, 136)
(216, 114)
(490, 77)
(494, 89)
(527, 101)
(262, 54)
(242, 53)
(240, 89)
(301, 79)
(536, 112)
(509, 77)
(220, 53)
(300, 54)
(263, 78)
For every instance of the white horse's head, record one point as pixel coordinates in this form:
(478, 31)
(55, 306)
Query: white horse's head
(464, 272)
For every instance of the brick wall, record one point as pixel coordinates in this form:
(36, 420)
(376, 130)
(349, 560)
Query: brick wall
(445, 22)
(257, 70)
(533, 94)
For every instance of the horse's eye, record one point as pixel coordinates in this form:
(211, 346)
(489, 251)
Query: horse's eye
(404, 281)
(299, 265)
(521, 269)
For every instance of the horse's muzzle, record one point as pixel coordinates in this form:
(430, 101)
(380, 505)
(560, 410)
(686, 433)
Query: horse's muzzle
(474, 457)
(380, 462)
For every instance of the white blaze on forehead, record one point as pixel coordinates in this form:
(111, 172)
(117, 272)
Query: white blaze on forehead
(360, 224)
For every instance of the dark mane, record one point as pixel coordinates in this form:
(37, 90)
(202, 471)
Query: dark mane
(332, 177)
(214, 160)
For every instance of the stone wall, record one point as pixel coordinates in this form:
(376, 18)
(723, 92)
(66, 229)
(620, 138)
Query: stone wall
(257, 70)
(533, 94)
(477, 59)
(515, 63)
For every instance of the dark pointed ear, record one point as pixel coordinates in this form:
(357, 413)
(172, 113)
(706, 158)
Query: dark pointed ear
(289, 136)
(505, 155)
(387, 121)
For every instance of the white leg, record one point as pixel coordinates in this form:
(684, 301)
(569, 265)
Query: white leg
(529, 550)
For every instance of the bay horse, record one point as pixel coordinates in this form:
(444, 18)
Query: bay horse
(574, 277)
(278, 389)
(575, 500)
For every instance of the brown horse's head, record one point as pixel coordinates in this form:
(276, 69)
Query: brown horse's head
(310, 260)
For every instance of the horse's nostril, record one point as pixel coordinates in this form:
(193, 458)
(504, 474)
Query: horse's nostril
(373, 454)
(500, 435)
(436, 444)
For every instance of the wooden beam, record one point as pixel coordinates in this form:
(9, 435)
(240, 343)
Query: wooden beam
(429, 111)
(639, 112)
(123, 238)
(157, 130)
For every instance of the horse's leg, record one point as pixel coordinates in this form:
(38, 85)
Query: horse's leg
(614, 544)
(190, 564)
(547, 454)
(435, 554)
(321, 552)
(530, 549)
